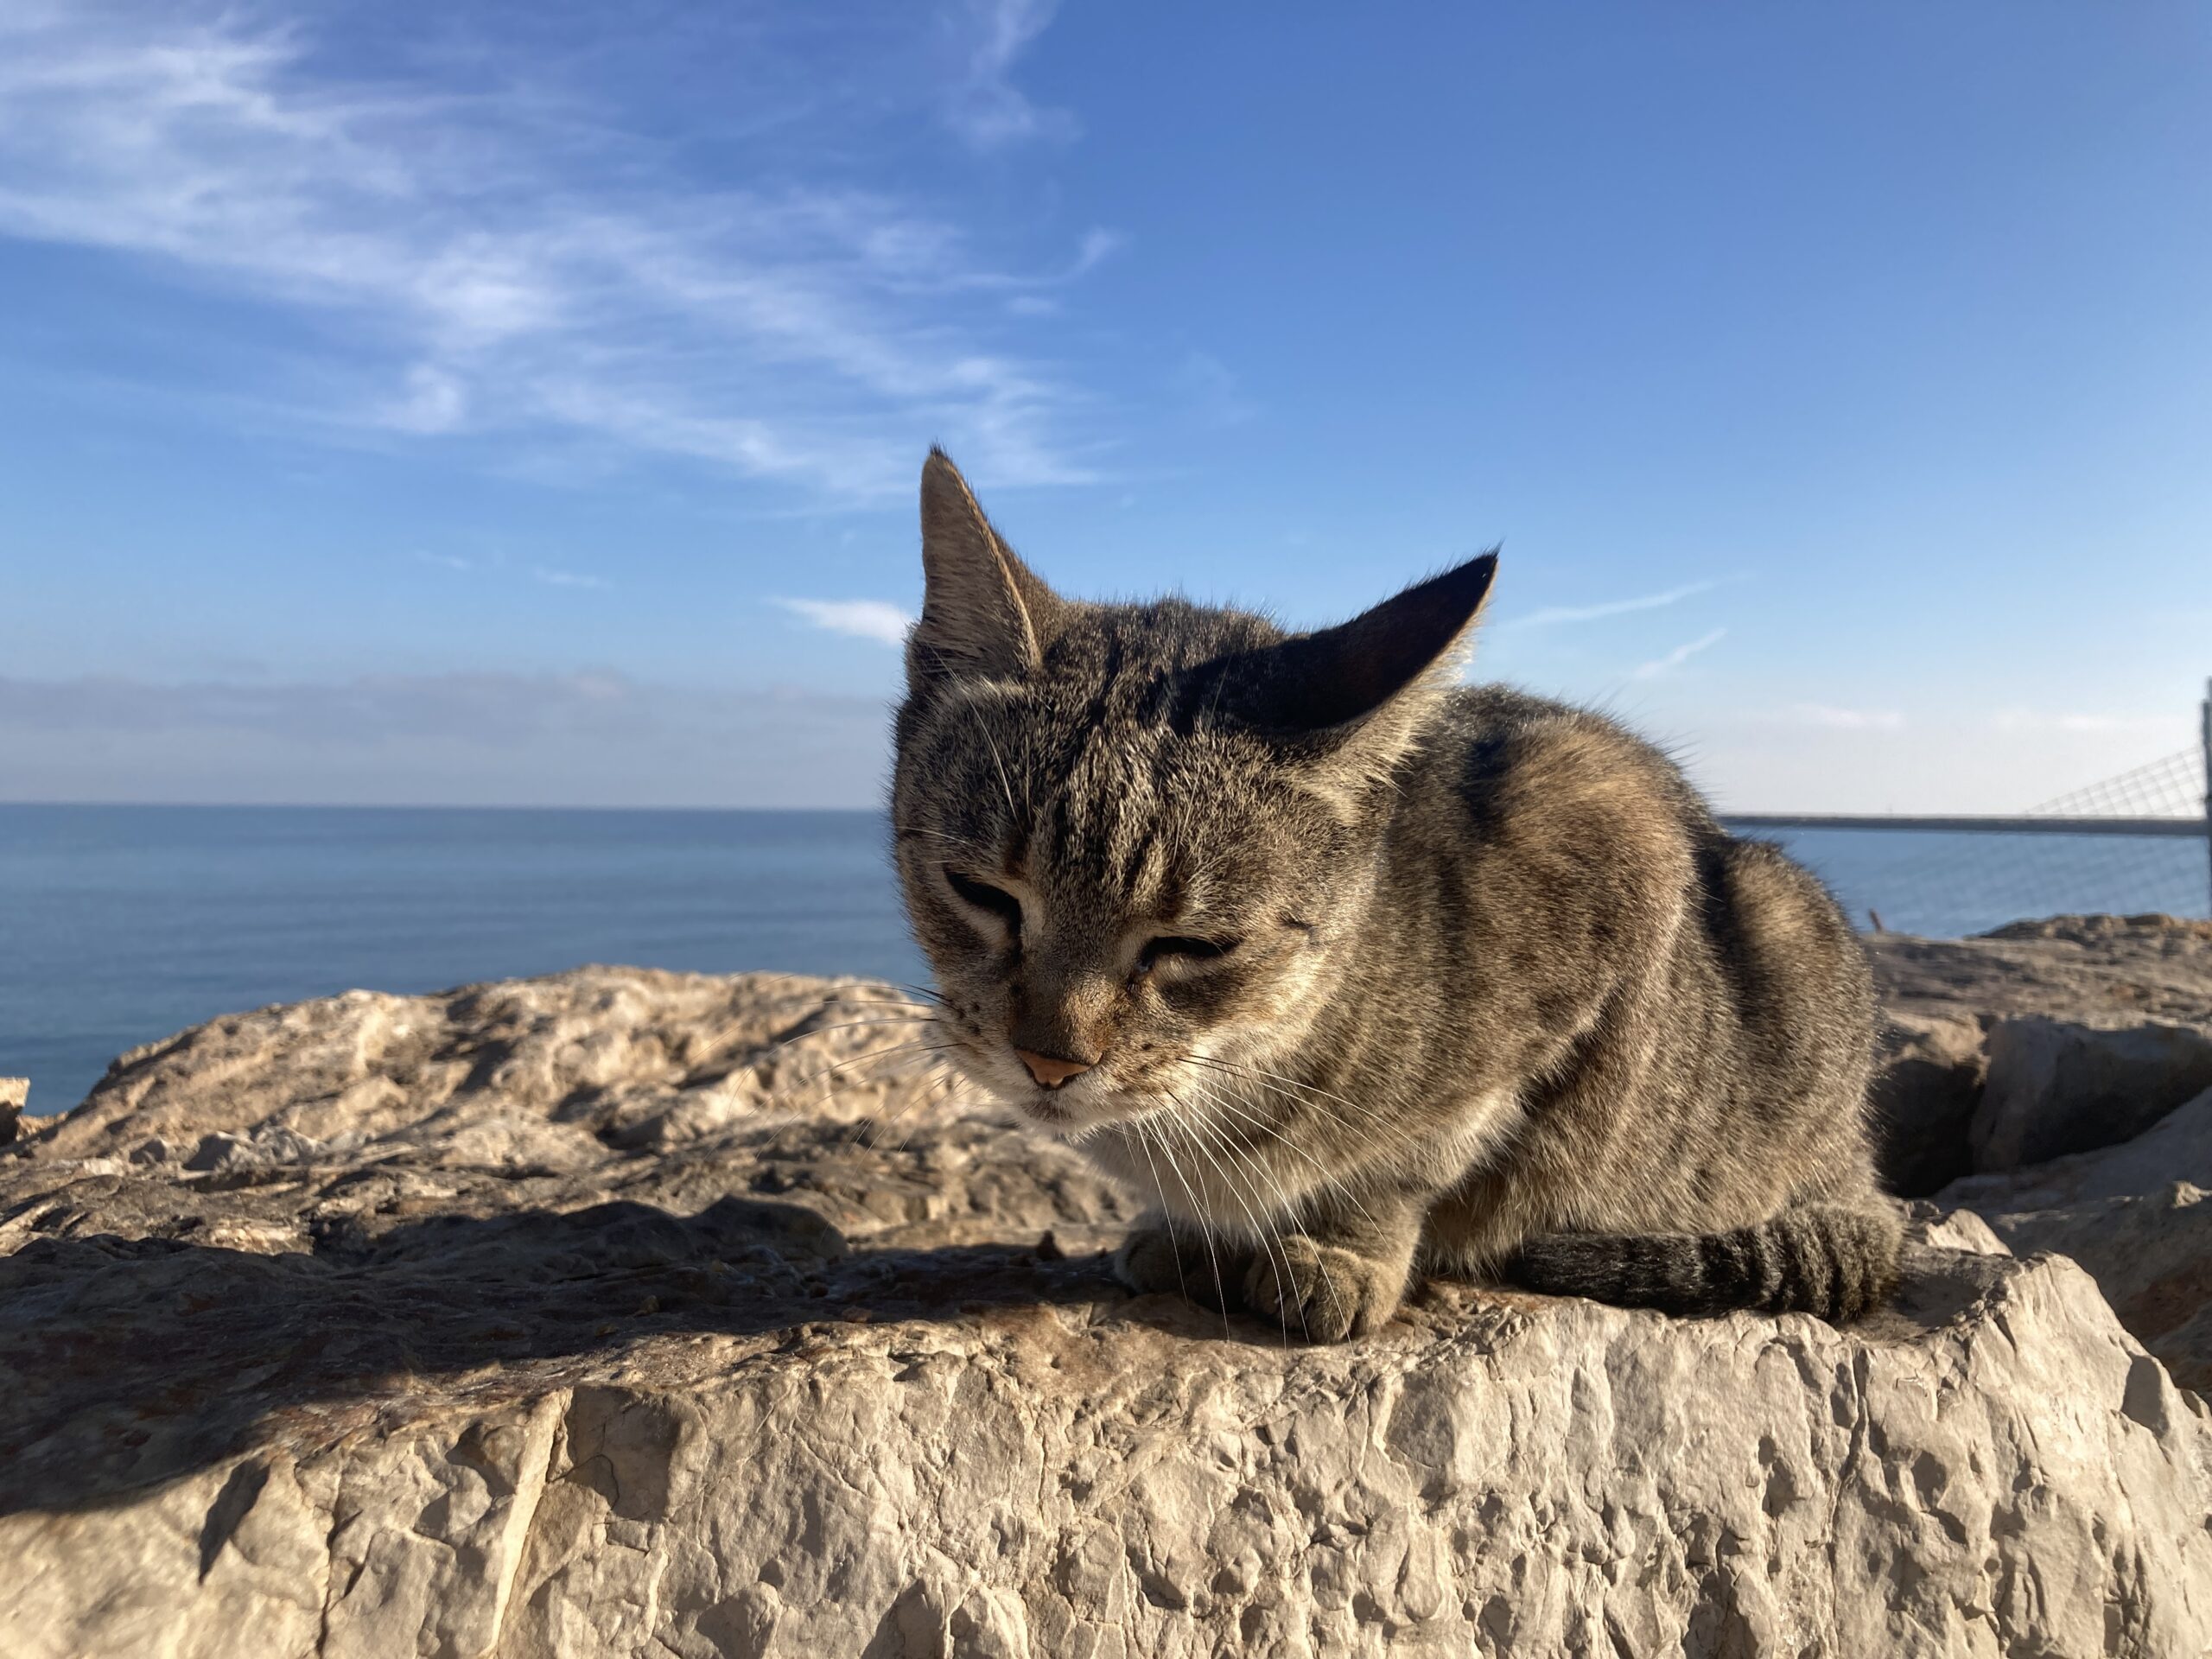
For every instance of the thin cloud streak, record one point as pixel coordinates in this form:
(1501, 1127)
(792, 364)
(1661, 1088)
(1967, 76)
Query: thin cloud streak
(1559, 613)
(863, 619)
(494, 285)
(1211, 391)
(2030, 719)
(1674, 658)
(985, 108)
(1845, 720)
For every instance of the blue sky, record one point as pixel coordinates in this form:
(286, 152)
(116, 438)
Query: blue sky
(503, 404)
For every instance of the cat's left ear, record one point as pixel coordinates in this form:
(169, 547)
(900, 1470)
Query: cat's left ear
(984, 612)
(1337, 681)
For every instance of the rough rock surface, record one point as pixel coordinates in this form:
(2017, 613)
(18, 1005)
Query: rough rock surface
(2056, 1087)
(2135, 1215)
(2101, 970)
(1953, 1004)
(589, 1315)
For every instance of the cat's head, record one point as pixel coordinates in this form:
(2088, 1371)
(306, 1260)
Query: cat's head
(1132, 836)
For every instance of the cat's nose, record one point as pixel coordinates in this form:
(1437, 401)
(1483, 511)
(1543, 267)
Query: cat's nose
(1049, 1072)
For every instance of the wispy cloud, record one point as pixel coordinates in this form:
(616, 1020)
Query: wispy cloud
(1555, 614)
(566, 578)
(984, 107)
(864, 619)
(514, 265)
(2033, 719)
(434, 400)
(1211, 391)
(1844, 719)
(1674, 658)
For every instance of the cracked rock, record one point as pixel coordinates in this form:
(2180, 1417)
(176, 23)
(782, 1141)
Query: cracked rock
(621, 1312)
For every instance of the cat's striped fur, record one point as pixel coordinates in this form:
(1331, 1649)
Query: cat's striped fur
(1358, 973)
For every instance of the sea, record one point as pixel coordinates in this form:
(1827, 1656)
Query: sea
(120, 925)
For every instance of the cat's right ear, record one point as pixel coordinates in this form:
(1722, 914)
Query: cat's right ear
(1351, 700)
(983, 613)
(1344, 677)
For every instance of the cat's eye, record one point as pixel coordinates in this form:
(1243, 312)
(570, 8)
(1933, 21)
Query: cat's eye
(983, 896)
(1177, 947)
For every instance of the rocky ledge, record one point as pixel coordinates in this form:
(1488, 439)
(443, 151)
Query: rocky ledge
(625, 1313)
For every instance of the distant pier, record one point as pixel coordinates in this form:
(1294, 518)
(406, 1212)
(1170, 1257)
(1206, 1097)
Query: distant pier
(2031, 826)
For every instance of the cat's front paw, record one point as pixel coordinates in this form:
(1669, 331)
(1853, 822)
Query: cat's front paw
(1154, 1260)
(1323, 1293)
(1148, 1262)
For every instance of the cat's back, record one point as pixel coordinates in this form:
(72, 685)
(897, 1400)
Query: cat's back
(1595, 835)
(1505, 767)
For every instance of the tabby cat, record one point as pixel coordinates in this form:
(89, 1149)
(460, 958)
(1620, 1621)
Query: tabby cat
(1359, 973)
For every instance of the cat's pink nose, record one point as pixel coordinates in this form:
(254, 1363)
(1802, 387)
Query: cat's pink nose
(1049, 1071)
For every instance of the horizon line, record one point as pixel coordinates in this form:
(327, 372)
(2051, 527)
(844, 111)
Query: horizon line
(414, 806)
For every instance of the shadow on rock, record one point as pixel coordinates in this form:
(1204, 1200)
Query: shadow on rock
(128, 1362)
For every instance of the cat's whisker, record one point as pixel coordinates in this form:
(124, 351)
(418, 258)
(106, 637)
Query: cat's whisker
(1222, 1103)
(958, 1089)
(1268, 1086)
(918, 1048)
(1197, 1126)
(936, 999)
(1290, 1083)
(886, 1004)
(849, 1024)
(782, 1095)
(948, 1091)
(1324, 1177)
(1166, 1216)
(1281, 1092)
(934, 834)
(1311, 1094)
(1287, 1211)
(870, 1126)
(1202, 1137)
(1326, 1180)
(1198, 1212)
(1225, 1102)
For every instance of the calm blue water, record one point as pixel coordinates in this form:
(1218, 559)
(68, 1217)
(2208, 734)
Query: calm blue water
(120, 925)
(1947, 885)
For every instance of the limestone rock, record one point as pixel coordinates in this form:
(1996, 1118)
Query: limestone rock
(2056, 1087)
(589, 1315)
(2100, 1024)
(1958, 1230)
(2134, 1214)
(2099, 970)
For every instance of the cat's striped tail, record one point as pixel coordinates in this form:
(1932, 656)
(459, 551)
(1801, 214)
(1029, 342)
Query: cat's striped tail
(1817, 1258)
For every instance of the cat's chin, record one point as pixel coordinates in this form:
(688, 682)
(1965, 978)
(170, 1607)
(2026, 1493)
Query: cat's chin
(1048, 1113)
(1076, 1120)
(1068, 1122)
(1072, 1112)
